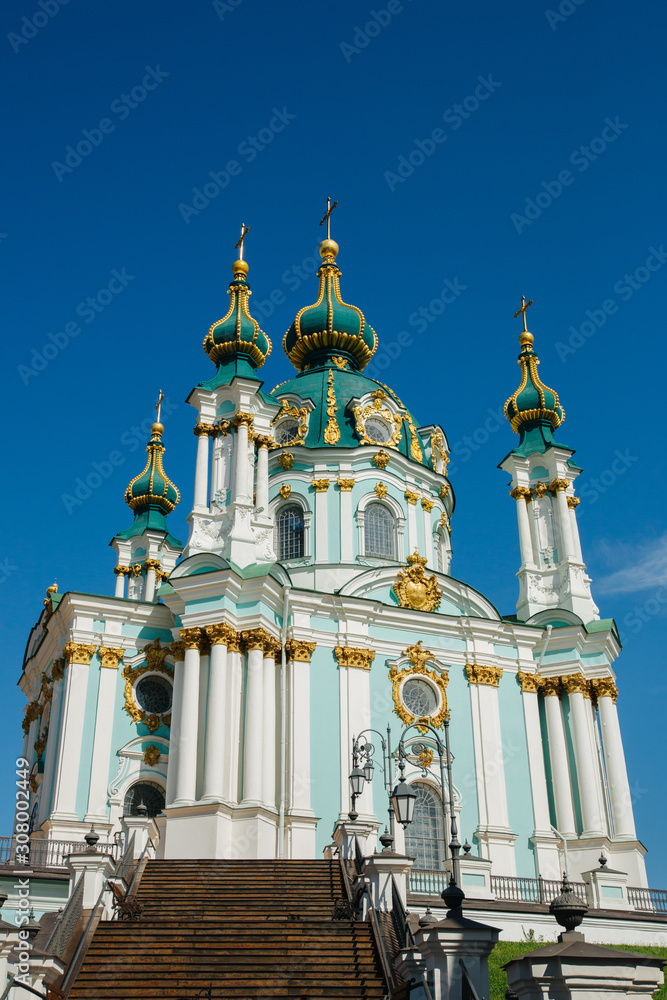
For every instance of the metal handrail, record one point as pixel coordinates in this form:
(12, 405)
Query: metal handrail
(399, 916)
(468, 991)
(94, 916)
(66, 924)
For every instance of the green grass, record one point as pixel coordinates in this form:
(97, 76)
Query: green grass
(506, 950)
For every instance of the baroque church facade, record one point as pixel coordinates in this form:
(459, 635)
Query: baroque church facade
(222, 684)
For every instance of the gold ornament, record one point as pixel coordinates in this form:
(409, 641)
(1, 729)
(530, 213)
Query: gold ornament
(285, 491)
(604, 687)
(300, 414)
(415, 447)
(332, 430)
(345, 485)
(426, 757)
(78, 652)
(478, 674)
(418, 658)
(551, 687)
(299, 651)
(339, 362)
(286, 460)
(351, 656)
(541, 489)
(321, 485)
(576, 684)
(109, 657)
(152, 755)
(243, 418)
(200, 429)
(376, 409)
(443, 493)
(558, 484)
(222, 634)
(427, 504)
(438, 451)
(411, 496)
(530, 683)
(573, 502)
(155, 656)
(381, 490)
(259, 638)
(412, 588)
(522, 493)
(58, 669)
(381, 459)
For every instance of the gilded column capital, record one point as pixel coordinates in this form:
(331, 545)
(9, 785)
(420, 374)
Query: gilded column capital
(177, 649)
(299, 651)
(530, 682)
(541, 489)
(556, 485)
(110, 657)
(576, 684)
(200, 429)
(427, 504)
(411, 496)
(78, 652)
(551, 687)
(58, 669)
(573, 502)
(286, 460)
(353, 656)
(381, 459)
(152, 564)
(604, 687)
(243, 418)
(345, 485)
(191, 637)
(222, 634)
(478, 674)
(264, 441)
(522, 493)
(321, 485)
(259, 638)
(122, 570)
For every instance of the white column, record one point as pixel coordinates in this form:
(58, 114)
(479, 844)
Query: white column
(560, 772)
(298, 761)
(572, 503)
(578, 690)
(204, 664)
(178, 652)
(214, 753)
(47, 795)
(521, 494)
(427, 507)
(233, 724)
(104, 719)
(346, 523)
(150, 566)
(241, 422)
(201, 467)
(413, 539)
(538, 778)
(186, 770)
(354, 665)
(617, 775)
(269, 725)
(253, 748)
(216, 460)
(321, 526)
(490, 763)
(262, 488)
(558, 488)
(120, 581)
(71, 732)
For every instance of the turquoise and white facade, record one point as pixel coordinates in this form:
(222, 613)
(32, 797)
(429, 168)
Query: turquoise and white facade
(224, 680)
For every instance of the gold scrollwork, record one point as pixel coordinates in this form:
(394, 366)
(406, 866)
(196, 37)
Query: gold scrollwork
(443, 492)
(415, 447)
(152, 755)
(340, 362)
(479, 674)
(332, 430)
(353, 656)
(418, 658)
(381, 459)
(540, 490)
(411, 496)
(413, 589)
(427, 504)
(438, 452)
(32, 710)
(155, 657)
(285, 491)
(58, 669)
(573, 502)
(375, 409)
(286, 460)
(300, 414)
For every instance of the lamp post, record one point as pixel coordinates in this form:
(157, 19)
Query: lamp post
(363, 769)
(403, 796)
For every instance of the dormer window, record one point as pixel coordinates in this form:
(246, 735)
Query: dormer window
(287, 431)
(377, 430)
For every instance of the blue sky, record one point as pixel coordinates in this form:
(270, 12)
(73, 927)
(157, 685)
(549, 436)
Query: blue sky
(505, 149)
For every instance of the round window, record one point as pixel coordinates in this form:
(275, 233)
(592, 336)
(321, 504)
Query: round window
(419, 697)
(377, 430)
(286, 431)
(154, 695)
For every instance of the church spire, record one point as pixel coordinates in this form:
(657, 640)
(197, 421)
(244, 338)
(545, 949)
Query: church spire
(237, 335)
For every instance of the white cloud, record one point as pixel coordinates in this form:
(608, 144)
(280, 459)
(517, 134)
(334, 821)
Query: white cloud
(642, 567)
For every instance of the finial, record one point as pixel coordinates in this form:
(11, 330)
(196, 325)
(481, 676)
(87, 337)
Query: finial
(328, 247)
(53, 589)
(525, 338)
(239, 246)
(240, 267)
(327, 216)
(157, 429)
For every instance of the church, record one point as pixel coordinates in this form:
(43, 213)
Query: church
(229, 684)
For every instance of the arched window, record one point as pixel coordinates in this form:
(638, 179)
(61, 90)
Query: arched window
(424, 837)
(290, 527)
(148, 792)
(379, 532)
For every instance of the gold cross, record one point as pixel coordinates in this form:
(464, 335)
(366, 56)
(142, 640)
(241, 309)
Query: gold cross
(327, 217)
(160, 397)
(522, 311)
(239, 246)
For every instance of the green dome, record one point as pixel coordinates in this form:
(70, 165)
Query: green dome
(152, 490)
(533, 403)
(329, 324)
(237, 332)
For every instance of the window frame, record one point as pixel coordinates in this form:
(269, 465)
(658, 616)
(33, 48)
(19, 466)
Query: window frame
(297, 500)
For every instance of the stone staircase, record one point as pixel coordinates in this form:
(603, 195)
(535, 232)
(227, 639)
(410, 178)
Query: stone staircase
(244, 928)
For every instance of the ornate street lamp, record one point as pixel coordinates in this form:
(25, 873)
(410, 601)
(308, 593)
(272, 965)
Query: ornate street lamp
(363, 762)
(403, 800)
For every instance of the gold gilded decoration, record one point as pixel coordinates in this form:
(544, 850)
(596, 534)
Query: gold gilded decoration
(558, 484)
(286, 460)
(155, 656)
(155, 653)
(299, 651)
(573, 502)
(426, 757)
(381, 490)
(48, 602)
(32, 710)
(152, 564)
(418, 659)
(152, 722)
(340, 362)
(137, 569)
(604, 687)
(415, 446)
(243, 418)
(376, 409)
(152, 755)
(522, 311)
(345, 485)
(122, 570)
(427, 504)
(58, 669)
(191, 637)
(522, 493)
(413, 589)
(321, 485)
(439, 456)
(222, 634)
(541, 490)
(110, 657)
(478, 674)
(530, 682)
(332, 430)
(259, 638)
(78, 652)
(352, 656)
(177, 650)
(285, 491)
(200, 429)
(381, 459)
(443, 493)
(223, 427)
(264, 441)
(576, 684)
(300, 414)
(411, 496)
(40, 742)
(551, 687)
